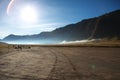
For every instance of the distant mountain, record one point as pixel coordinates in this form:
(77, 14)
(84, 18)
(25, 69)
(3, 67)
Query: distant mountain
(0, 40)
(105, 26)
(2, 43)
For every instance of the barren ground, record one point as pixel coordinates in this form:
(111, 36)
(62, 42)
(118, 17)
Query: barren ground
(60, 63)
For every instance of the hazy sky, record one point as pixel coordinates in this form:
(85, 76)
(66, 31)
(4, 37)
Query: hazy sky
(25, 17)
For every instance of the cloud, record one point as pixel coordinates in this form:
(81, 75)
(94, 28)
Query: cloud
(45, 25)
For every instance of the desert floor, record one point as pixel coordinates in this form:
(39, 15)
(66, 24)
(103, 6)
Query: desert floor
(60, 63)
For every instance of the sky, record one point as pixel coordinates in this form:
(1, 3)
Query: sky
(27, 17)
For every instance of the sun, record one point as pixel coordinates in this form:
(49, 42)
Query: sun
(28, 14)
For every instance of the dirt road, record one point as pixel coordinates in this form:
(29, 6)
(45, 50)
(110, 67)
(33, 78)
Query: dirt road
(61, 63)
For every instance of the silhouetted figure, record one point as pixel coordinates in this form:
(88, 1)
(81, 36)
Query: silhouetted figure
(15, 47)
(19, 47)
(29, 47)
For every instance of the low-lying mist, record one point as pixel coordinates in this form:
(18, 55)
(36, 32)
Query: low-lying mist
(47, 42)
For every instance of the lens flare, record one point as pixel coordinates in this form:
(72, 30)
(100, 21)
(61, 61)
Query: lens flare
(9, 6)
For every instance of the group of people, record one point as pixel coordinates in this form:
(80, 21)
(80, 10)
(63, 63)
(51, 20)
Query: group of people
(20, 47)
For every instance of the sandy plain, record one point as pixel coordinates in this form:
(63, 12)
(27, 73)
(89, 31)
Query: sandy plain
(59, 63)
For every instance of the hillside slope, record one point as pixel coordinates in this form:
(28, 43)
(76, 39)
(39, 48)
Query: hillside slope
(105, 26)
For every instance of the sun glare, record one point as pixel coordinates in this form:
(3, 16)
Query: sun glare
(28, 14)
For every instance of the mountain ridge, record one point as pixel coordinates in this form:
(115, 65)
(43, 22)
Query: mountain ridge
(104, 26)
